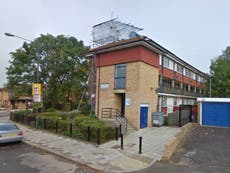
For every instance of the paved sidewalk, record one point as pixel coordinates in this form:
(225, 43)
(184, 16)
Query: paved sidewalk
(107, 157)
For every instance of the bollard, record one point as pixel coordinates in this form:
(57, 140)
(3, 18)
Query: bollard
(28, 121)
(116, 134)
(98, 136)
(44, 122)
(22, 119)
(122, 141)
(88, 132)
(56, 126)
(140, 145)
(180, 109)
(70, 130)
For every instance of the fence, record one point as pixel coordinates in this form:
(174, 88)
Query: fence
(185, 114)
(90, 134)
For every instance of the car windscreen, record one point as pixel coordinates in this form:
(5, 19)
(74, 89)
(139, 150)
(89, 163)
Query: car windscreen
(5, 127)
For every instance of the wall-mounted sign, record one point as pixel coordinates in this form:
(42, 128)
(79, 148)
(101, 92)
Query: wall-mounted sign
(127, 102)
(104, 86)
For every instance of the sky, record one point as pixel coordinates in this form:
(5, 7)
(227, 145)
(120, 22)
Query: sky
(195, 30)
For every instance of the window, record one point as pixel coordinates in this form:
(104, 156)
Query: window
(120, 76)
(186, 72)
(166, 62)
(179, 68)
(198, 78)
(174, 101)
(164, 101)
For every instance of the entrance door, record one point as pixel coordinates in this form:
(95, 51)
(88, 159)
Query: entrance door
(144, 115)
(123, 105)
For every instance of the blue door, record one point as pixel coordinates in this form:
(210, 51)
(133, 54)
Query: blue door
(144, 116)
(216, 114)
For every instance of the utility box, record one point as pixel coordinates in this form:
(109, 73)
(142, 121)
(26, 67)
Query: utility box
(158, 118)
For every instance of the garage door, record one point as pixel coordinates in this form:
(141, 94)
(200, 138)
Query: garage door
(216, 114)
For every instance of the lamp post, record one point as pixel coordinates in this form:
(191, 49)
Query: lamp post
(210, 87)
(37, 85)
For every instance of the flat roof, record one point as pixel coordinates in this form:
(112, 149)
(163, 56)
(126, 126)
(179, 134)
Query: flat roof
(213, 99)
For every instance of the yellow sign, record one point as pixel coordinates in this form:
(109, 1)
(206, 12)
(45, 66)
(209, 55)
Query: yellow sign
(36, 89)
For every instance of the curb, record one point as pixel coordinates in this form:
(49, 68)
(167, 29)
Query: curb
(172, 145)
(61, 156)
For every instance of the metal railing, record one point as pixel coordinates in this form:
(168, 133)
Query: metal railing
(170, 90)
(113, 113)
(123, 122)
(110, 113)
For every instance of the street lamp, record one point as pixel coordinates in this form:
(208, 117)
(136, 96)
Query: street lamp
(210, 87)
(12, 35)
(38, 86)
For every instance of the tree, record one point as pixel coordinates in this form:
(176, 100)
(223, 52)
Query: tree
(55, 62)
(220, 75)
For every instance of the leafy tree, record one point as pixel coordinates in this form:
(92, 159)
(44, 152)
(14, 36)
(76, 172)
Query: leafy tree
(220, 75)
(55, 62)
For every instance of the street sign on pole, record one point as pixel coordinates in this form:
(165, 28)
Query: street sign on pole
(37, 98)
(36, 89)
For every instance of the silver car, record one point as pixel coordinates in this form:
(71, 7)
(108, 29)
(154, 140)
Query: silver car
(9, 132)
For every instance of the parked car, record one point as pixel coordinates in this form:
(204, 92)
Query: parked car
(9, 132)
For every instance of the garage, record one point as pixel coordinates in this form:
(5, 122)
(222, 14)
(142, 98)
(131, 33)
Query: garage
(214, 111)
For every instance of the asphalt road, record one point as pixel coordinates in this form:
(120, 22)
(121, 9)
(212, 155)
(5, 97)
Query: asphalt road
(22, 158)
(203, 150)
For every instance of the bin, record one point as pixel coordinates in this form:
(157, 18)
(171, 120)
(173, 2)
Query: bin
(158, 118)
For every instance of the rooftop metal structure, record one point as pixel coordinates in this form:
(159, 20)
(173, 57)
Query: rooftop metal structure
(112, 31)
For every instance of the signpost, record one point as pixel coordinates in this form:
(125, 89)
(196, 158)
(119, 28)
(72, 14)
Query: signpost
(36, 91)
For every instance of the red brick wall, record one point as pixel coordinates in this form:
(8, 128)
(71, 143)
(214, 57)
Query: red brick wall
(128, 55)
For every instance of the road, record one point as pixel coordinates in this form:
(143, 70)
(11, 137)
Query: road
(4, 114)
(203, 150)
(22, 158)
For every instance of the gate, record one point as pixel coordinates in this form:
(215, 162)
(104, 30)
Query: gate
(187, 113)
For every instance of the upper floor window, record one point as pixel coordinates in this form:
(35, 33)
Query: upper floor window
(178, 68)
(120, 76)
(186, 72)
(167, 63)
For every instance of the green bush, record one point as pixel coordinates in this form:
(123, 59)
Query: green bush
(85, 121)
(85, 109)
(51, 110)
(58, 115)
(21, 112)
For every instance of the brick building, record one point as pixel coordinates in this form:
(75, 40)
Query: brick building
(4, 99)
(138, 76)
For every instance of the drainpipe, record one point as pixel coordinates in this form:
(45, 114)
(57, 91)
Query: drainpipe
(99, 81)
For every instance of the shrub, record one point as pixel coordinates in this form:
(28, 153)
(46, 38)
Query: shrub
(21, 113)
(85, 121)
(85, 109)
(51, 110)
